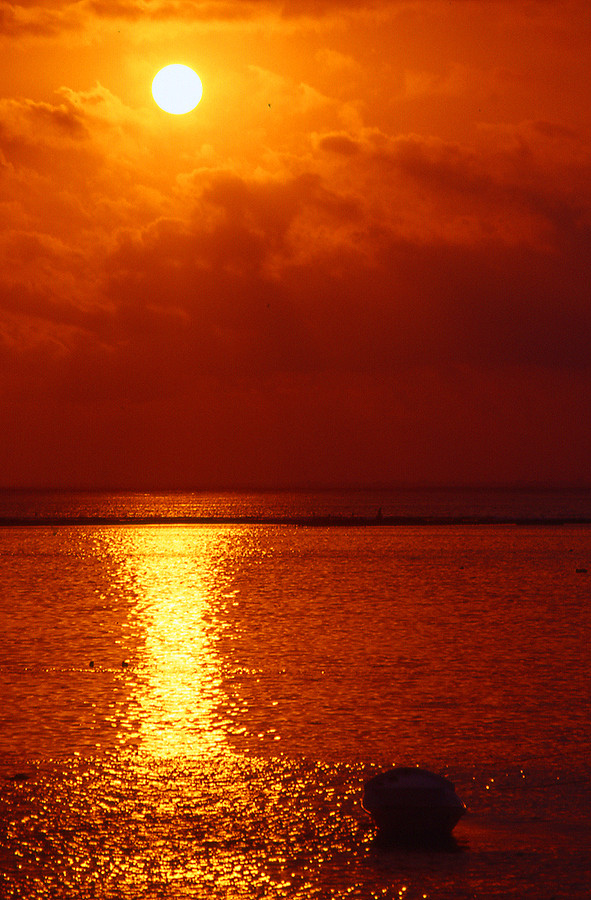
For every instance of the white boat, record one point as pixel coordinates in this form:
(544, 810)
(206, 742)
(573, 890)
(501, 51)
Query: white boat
(412, 803)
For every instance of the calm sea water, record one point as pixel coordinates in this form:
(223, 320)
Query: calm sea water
(418, 503)
(191, 711)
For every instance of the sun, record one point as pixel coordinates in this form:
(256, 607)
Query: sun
(177, 89)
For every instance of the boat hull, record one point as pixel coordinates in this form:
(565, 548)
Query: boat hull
(416, 822)
(412, 804)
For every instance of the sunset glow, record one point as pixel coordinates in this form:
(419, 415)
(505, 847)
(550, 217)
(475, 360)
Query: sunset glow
(362, 259)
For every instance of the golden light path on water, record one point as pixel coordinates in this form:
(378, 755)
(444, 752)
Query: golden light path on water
(189, 816)
(173, 575)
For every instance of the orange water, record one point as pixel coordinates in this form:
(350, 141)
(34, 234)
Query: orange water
(245, 680)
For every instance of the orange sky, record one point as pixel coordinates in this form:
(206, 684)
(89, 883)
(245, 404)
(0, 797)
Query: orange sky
(364, 258)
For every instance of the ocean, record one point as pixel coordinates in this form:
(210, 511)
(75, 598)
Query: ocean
(190, 709)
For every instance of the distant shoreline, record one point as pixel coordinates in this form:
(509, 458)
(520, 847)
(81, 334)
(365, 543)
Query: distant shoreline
(330, 521)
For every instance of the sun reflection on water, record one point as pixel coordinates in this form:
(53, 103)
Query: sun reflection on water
(173, 576)
(355, 648)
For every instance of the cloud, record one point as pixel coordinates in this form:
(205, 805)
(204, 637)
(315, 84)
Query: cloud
(41, 19)
(38, 20)
(374, 265)
(532, 190)
(39, 122)
(341, 143)
(418, 83)
(388, 253)
(236, 293)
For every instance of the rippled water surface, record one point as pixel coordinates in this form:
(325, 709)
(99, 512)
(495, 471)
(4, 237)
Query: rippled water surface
(191, 711)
